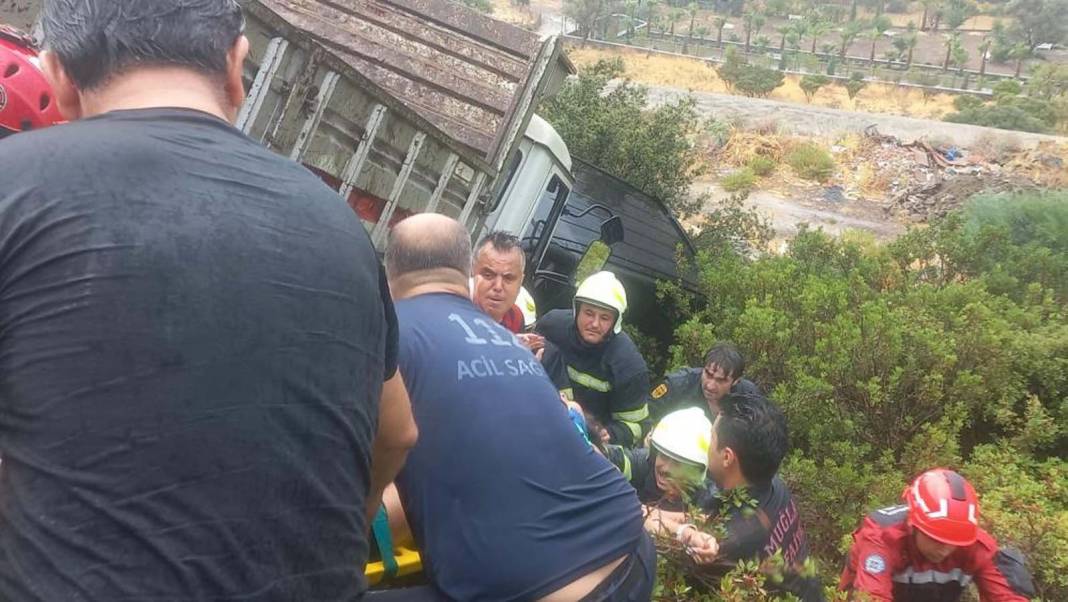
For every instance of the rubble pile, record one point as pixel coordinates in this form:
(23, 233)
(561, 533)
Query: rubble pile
(944, 194)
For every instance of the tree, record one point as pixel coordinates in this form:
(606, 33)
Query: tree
(1039, 21)
(848, 33)
(854, 85)
(692, 9)
(905, 44)
(757, 81)
(720, 23)
(984, 53)
(817, 27)
(585, 13)
(952, 43)
(1019, 52)
(956, 12)
(632, 8)
(810, 84)
(877, 27)
(752, 22)
(929, 6)
(1048, 81)
(730, 71)
(673, 17)
(610, 126)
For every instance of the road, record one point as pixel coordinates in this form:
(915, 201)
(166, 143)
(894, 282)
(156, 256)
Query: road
(809, 120)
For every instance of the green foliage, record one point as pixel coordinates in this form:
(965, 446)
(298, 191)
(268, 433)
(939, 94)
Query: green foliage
(759, 82)
(1048, 81)
(948, 346)
(810, 84)
(1021, 113)
(1007, 87)
(761, 166)
(654, 149)
(811, 162)
(739, 181)
(966, 102)
(854, 84)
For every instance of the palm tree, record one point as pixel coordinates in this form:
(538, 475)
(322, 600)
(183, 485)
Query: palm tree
(692, 8)
(674, 17)
(927, 6)
(816, 28)
(752, 22)
(720, 23)
(1019, 52)
(984, 50)
(632, 7)
(849, 32)
(878, 27)
(952, 42)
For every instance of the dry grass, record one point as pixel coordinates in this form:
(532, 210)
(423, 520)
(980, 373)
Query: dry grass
(661, 70)
(520, 16)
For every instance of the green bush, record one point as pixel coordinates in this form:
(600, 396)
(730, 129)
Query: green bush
(811, 162)
(761, 166)
(948, 346)
(810, 84)
(739, 181)
(966, 102)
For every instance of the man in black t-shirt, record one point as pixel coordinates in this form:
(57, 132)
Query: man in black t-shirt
(195, 334)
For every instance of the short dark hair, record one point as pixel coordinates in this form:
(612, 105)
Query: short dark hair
(449, 248)
(96, 40)
(502, 242)
(756, 430)
(727, 358)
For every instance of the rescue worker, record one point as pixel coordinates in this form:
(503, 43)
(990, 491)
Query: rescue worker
(930, 548)
(26, 99)
(703, 387)
(593, 362)
(492, 520)
(748, 442)
(671, 470)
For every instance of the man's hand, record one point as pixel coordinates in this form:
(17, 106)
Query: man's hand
(397, 434)
(534, 342)
(702, 547)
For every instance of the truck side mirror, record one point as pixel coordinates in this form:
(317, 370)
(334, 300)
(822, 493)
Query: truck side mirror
(612, 230)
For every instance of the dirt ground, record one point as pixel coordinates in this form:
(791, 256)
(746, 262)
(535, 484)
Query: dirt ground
(664, 70)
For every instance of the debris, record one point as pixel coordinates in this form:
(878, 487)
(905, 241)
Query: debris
(929, 200)
(834, 194)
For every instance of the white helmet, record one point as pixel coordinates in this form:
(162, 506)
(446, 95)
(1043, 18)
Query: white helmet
(684, 436)
(527, 306)
(603, 289)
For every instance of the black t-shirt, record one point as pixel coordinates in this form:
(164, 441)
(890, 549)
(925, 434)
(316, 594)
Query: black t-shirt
(194, 333)
(774, 525)
(682, 389)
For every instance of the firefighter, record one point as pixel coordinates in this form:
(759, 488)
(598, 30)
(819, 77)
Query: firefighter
(931, 547)
(703, 387)
(593, 362)
(26, 99)
(672, 468)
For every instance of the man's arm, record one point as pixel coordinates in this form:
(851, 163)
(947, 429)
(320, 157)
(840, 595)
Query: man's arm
(868, 570)
(1004, 578)
(396, 434)
(630, 413)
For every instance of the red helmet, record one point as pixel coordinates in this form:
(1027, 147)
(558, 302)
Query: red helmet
(944, 506)
(26, 100)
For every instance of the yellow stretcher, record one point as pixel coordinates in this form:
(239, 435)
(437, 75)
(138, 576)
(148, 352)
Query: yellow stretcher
(395, 562)
(407, 562)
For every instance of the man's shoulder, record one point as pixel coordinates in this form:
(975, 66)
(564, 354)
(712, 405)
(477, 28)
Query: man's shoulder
(683, 377)
(745, 386)
(555, 323)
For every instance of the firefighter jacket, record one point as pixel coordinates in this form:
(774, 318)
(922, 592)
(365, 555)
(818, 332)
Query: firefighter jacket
(609, 380)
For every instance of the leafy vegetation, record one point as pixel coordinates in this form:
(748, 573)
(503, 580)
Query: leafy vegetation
(948, 346)
(739, 181)
(810, 84)
(1009, 110)
(610, 126)
(761, 166)
(811, 162)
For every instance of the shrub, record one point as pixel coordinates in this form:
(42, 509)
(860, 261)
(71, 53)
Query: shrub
(946, 347)
(810, 84)
(965, 102)
(756, 81)
(811, 162)
(854, 84)
(739, 181)
(761, 166)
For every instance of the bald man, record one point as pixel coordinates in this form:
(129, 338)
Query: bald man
(500, 510)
